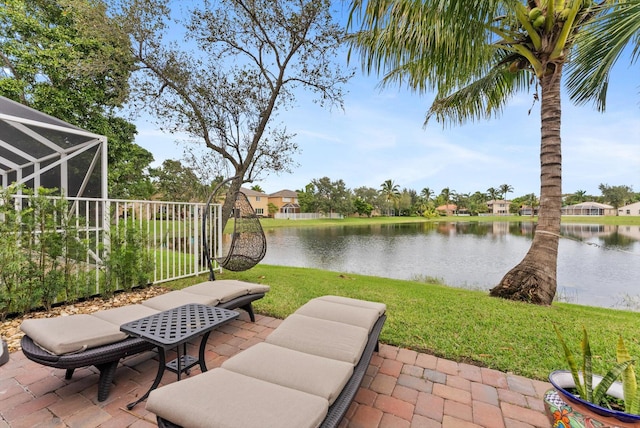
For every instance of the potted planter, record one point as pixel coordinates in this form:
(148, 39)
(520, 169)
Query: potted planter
(578, 412)
(584, 399)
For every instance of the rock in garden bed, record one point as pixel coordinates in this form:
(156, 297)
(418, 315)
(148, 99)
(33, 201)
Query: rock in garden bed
(10, 328)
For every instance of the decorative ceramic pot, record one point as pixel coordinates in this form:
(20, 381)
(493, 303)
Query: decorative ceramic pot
(562, 380)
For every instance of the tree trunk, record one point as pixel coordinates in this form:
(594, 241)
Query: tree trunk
(533, 280)
(230, 197)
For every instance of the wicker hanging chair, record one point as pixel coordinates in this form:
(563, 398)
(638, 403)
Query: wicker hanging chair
(248, 243)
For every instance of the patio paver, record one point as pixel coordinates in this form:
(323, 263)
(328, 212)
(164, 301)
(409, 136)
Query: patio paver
(402, 388)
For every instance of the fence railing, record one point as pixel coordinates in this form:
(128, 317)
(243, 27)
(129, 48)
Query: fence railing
(174, 232)
(53, 249)
(306, 216)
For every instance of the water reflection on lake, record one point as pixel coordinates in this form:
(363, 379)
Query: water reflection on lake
(598, 265)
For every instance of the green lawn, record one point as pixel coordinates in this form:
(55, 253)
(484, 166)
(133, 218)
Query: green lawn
(270, 223)
(457, 324)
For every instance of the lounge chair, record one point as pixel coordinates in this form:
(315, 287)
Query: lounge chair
(305, 374)
(96, 340)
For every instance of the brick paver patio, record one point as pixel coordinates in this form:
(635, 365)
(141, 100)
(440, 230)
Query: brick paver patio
(402, 389)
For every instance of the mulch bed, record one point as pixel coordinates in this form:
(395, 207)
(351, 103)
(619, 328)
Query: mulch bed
(10, 328)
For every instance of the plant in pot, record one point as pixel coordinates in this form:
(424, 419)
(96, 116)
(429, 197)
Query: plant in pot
(593, 400)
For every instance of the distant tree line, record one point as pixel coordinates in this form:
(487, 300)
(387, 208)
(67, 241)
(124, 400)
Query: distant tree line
(328, 196)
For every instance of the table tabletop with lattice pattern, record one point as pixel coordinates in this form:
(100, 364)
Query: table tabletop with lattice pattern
(176, 326)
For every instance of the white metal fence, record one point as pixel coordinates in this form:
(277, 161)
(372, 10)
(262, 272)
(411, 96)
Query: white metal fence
(306, 216)
(172, 233)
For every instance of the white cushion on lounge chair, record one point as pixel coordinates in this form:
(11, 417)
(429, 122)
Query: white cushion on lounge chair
(226, 289)
(125, 314)
(298, 370)
(222, 398)
(70, 334)
(176, 298)
(380, 307)
(332, 311)
(320, 337)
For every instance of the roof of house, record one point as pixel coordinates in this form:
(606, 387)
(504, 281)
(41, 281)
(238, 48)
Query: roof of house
(450, 207)
(285, 193)
(635, 204)
(498, 201)
(586, 205)
(251, 192)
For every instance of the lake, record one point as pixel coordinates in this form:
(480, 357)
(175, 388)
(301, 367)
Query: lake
(598, 265)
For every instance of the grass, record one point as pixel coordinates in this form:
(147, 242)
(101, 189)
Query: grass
(457, 324)
(453, 323)
(270, 223)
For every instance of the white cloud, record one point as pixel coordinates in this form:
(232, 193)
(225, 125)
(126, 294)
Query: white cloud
(380, 136)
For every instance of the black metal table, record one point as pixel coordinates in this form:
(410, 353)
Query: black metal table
(175, 327)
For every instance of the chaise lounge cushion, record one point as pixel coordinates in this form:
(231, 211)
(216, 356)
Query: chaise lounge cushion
(225, 396)
(71, 334)
(380, 307)
(329, 339)
(305, 372)
(332, 311)
(224, 290)
(125, 314)
(176, 298)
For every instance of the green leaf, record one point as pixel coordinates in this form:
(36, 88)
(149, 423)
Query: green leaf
(587, 369)
(629, 383)
(573, 367)
(560, 45)
(608, 380)
(523, 18)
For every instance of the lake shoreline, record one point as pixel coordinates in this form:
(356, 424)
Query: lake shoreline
(365, 221)
(471, 255)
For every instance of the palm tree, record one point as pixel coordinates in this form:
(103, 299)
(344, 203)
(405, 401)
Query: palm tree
(426, 194)
(532, 201)
(477, 57)
(445, 195)
(493, 193)
(390, 191)
(504, 189)
(580, 195)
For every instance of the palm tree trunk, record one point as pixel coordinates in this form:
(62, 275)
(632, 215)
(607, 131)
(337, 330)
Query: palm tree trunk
(533, 280)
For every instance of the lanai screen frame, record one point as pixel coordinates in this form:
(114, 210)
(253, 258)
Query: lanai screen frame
(33, 125)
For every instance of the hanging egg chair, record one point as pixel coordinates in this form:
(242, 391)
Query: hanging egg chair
(248, 243)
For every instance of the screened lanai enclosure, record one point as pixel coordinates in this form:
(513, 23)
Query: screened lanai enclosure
(589, 208)
(62, 238)
(38, 150)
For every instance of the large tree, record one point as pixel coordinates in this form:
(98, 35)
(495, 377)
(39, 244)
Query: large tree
(241, 61)
(476, 57)
(176, 182)
(128, 172)
(69, 59)
(390, 191)
(504, 189)
(617, 196)
(332, 196)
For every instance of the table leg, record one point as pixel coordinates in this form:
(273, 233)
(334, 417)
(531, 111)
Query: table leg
(156, 382)
(179, 361)
(203, 345)
(182, 359)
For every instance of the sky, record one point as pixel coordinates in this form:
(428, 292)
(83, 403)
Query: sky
(380, 136)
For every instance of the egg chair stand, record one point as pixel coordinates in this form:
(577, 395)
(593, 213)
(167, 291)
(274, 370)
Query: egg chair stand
(248, 243)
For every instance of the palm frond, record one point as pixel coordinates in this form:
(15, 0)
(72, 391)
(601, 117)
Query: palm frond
(483, 98)
(442, 43)
(598, 48)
